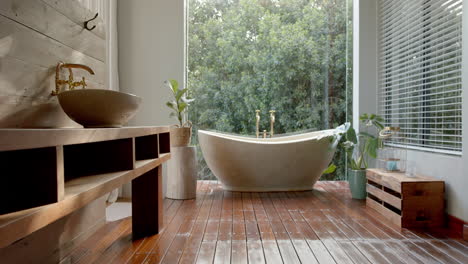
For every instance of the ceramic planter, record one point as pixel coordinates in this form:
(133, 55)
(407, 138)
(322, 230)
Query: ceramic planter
(180, 136)
(357, 183)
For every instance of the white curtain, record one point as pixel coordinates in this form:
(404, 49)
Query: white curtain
(112, 45)
(112, 62)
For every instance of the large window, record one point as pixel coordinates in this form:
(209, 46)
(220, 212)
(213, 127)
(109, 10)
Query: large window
(420, 71)
(292, 56)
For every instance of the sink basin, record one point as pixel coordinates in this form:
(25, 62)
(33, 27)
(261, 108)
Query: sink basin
(94, 108)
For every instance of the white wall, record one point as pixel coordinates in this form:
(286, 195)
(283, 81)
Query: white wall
(452, 169)
(151, 50)
(364, 59)
(464, 172)
(151, 36)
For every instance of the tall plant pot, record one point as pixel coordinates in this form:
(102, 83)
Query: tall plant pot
(180, 136)
(357, 183)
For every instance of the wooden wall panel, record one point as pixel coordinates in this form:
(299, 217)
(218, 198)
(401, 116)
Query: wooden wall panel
(37, 49)
(34, 36)
(48, 21)
(79, 11)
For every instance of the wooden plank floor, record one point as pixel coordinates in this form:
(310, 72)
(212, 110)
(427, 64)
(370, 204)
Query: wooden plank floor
(320, 226)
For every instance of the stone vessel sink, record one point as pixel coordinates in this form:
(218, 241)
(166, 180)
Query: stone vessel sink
(99, 108)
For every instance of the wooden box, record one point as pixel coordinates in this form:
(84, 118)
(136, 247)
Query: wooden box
(406, 201)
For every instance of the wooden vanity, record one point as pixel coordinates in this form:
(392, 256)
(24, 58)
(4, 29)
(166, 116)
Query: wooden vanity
(47, 174)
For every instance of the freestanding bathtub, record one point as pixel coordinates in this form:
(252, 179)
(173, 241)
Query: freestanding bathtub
(283, 163)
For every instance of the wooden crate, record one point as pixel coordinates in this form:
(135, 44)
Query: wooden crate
(406, 201)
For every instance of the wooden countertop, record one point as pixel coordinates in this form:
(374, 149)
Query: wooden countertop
(16, 139)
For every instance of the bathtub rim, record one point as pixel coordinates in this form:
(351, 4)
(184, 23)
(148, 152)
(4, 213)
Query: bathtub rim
(315, 135)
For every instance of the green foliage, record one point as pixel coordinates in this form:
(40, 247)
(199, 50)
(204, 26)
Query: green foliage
(351, 135)
(180, 104)
(289, 56)
(359, 147)
(330, 169)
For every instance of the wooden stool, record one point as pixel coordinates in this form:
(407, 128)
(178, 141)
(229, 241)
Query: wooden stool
(182, 173)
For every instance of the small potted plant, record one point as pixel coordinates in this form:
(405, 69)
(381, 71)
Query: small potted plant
(359, 148)
(182, 132)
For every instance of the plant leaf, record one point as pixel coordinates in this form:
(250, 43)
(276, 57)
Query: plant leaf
(378, 125)
(174, 86)
(180, 93)
(171, 105)
(330, 169)
(372, 147)
(182, 107)
(351, 135)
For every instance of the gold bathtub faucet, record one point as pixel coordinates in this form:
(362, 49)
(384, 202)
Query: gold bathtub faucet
(70, 82)
(272, 124)
(257, 115)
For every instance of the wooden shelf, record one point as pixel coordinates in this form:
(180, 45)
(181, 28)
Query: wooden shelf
(104, 183)
(78, 193)
(79, 166)
(16, 139)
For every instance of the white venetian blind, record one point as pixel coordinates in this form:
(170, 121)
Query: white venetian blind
(420, 72)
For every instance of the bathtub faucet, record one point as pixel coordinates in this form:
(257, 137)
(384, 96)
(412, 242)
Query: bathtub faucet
(272, 122)
(257, 115)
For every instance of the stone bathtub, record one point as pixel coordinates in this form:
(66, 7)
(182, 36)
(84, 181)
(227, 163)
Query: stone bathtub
(283, 163)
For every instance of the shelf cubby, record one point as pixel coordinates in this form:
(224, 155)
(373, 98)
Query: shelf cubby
(164, 143)
(146, 147)
(98, 158)
(30, 178)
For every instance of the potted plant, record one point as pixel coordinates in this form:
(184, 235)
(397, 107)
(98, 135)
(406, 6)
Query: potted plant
(182, 132)
(359, 148)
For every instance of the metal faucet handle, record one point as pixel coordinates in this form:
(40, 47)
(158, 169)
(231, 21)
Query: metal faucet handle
(272, 114)
(83, 83)
(71, 83)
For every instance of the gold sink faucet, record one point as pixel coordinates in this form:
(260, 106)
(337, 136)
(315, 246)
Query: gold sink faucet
(257, 115)
(70, 82)
(272, 122)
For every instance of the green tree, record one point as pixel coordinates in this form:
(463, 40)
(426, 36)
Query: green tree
(286, 55)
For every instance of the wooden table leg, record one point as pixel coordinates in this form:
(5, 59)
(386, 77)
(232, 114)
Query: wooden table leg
(147, 204)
